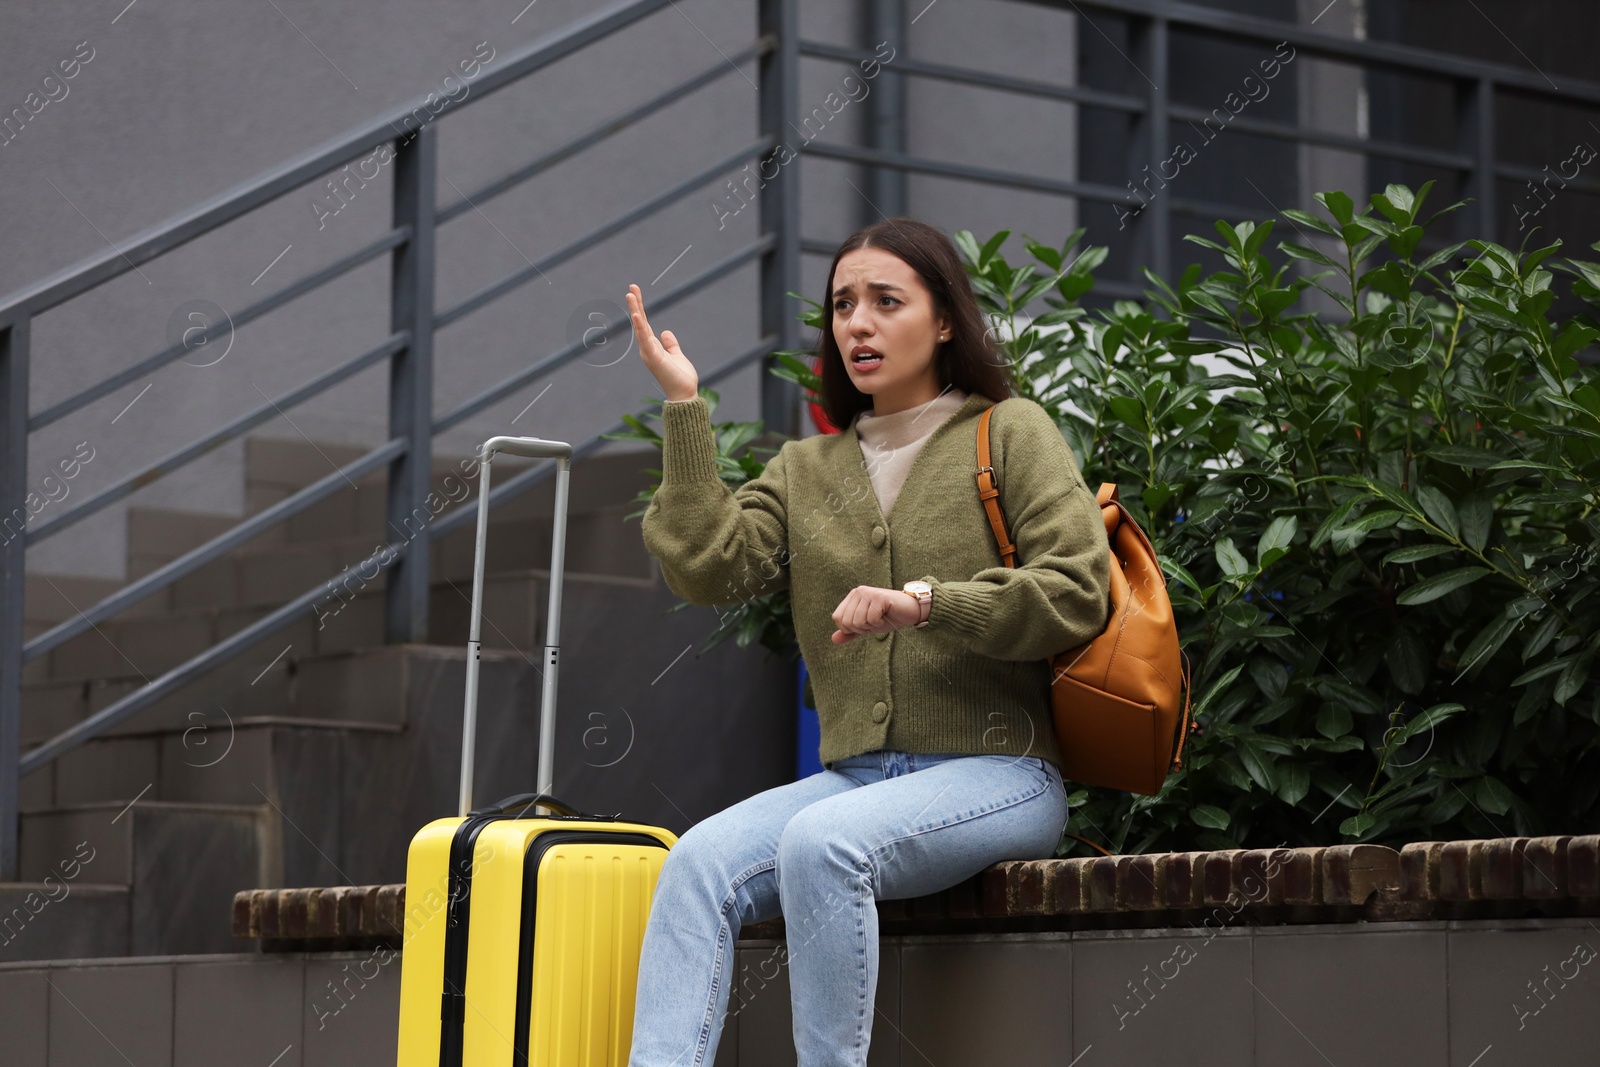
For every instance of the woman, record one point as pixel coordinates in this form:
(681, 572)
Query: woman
(937, 743)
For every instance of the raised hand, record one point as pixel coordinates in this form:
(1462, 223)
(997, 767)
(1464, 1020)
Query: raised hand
(663, 357)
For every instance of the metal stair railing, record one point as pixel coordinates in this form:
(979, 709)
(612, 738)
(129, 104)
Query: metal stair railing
(413, 425)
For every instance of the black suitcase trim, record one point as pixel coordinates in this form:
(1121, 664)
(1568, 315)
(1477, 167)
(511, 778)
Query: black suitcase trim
(453, 1002)
(530, 890)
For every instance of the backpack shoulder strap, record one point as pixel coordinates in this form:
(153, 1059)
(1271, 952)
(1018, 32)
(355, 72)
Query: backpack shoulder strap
(989, 492)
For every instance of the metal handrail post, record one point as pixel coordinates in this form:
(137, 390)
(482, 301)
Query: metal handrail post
(1475, 133)
(779, 86)
(416, 169)
(886, 108)
(13, 568)
(1154, 220)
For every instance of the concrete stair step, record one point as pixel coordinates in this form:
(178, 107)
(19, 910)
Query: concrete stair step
(63, 918)
(55, 598)
(598, 542)
(280, 466)
(350, 617)
(339, 670)
(181, 864)
(181, 765)
(365, 685)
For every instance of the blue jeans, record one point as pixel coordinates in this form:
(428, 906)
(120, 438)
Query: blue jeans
(883, 825)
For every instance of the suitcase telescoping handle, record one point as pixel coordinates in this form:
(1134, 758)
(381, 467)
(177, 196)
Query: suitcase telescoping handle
(528, 800)
(533, 448)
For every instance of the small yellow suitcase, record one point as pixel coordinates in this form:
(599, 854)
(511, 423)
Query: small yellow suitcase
(522, 935)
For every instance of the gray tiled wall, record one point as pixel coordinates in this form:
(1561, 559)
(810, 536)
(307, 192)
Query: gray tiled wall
(1465, 994)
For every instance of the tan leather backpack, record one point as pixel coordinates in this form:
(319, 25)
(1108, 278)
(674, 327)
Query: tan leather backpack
(1115, 698)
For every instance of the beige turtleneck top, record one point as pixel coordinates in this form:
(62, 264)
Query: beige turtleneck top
(889, 443)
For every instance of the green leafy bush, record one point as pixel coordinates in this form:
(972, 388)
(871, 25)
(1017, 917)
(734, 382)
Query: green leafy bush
(1371, 476)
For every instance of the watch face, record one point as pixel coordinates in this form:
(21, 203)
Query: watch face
(918, 587)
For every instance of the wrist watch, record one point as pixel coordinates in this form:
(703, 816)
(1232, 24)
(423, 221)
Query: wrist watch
(923, 592)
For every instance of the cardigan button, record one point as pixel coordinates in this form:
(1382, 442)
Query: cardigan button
(878, 537)
(882, 635)
(880, 711)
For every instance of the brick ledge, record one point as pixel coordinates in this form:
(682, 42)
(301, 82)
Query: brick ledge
(1496, 878)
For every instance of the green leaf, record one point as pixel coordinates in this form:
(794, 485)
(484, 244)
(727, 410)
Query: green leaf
(1545, 669)
(1356, 825)
(1488, 642)
(1232, 562)
(1437, 586)
(1492, 795)
(1294, 782)
(1542, 635)
(1438, 507)
(990, 247)
(1272, 302)
(1210, 816)
(1180, 572)
(1426, 721)
(1275, 541)
(1405, 242)
(1389, 280)
(1377, 520)
(1334, 721)
(1256, 237)
(1477, 519)
(1218, 687)
(1339, 205)
(1355, 697)
(1256, 764)
(1336, 519)
(1295, 251)
(1407, 659)
(1459, 456)
(1305, 218)
(1396, 197)
(1414, 553)
(1129, 411)
(1203, 242)
(1572, 679)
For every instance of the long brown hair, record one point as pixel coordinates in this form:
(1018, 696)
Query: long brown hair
(969, 360)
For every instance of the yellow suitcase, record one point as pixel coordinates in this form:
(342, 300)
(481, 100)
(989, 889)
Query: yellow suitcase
(522, 935)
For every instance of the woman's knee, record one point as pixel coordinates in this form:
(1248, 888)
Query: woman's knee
(815, 838)
(713, 858)
(695, 854)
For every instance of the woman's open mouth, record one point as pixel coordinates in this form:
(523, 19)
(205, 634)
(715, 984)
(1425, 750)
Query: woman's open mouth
(866, 360)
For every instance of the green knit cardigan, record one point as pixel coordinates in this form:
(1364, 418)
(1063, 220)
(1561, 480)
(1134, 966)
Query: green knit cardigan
(975, 680)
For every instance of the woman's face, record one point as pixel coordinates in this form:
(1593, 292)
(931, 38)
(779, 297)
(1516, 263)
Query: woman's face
(880, 304)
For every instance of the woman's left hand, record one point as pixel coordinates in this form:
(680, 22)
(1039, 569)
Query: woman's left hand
(867, 609)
